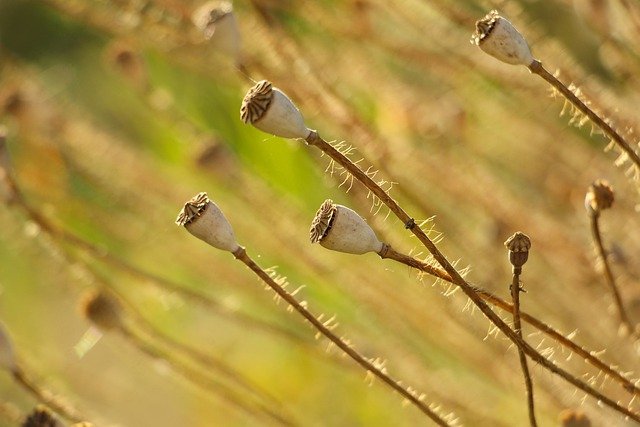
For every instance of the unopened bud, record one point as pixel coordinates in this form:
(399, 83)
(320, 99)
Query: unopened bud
(103, 310)
(518, 245)
(271, 111)
(202, 218)
(499, 38)
(600, 196)
(341, 229)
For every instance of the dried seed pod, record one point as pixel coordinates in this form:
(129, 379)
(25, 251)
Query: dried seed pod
(600, 196)
(218, 24)
(7, 355)
(341, 229)
(271, 111)
(574, 418)
(499, 38)
(202, 218)
(103, 310)
(41, 416)
(518, 245)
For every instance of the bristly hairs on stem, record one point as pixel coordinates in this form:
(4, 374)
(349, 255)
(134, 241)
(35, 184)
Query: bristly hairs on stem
(313, 138)
(206, 230)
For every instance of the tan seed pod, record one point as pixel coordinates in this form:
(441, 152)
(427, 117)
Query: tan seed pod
(600, 196)
(41, 416)
(7, 355)
(341, 229)
(518, 245)
(202, 218)
(270, 110)
(499, 38)
(218, 24)
(103, 310)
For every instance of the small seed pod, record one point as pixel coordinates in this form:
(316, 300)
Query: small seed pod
(103, 310)
(7, 355)
(41, 416)
(218, 24)
(500, 39)
(202, 218)
(271, 111)
(341, 229)
(573, 418)
(600, 196)
(518, 245)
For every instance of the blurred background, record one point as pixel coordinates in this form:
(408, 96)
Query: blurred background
(118, 111)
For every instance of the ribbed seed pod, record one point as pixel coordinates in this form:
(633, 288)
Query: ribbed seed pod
(270, 110)
(202, 218)
(518, 245)
(341, 229)
(499, 38)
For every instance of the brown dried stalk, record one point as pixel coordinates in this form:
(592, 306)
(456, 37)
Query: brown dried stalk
(495, 300)
(242, 256)
(314, 139)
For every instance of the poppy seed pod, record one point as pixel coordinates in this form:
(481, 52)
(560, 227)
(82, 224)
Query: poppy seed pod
(217, 22)
(499, 38)
(103, 310)
(202, 218)
(7, 355)
(341, 229)
(270, 110)
(600, 196)
(518, 245)
(41, 416)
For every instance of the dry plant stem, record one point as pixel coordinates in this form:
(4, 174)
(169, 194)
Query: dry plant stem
(495, 300)
(536, 67)
(315, 140)
(55, 232)
(241, 255)
(608, 274)
(517, 326)
(45, 397)
(208, 384)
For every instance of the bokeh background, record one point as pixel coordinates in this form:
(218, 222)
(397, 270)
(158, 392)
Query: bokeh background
(116, 112)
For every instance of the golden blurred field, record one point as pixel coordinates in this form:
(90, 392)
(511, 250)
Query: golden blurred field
(116, 112)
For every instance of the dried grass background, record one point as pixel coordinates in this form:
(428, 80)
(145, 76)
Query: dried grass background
(476, 146)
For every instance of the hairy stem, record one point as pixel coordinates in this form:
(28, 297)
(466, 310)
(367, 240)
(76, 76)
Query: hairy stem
(315, 140)
(389, 253)
(241, 255)
(517, 326)
(608, 274)
(536, 67)
(46, 397)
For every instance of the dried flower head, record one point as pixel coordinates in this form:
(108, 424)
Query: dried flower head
(271, 111)
(202, 218)
(7, 355)
(600, 196)
(217, 23)
(41, 416)
(518, 245)
(102, 309)
(574, 418)
(341, 229)
(499, 38)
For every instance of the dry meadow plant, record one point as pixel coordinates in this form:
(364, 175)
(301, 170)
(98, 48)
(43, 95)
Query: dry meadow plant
(111, 111)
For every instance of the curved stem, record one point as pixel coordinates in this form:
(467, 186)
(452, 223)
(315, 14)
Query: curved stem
(241, 255)
(495, 300)
(608, 274)
(46, 397)
(517, 326)
(536, 67)
(315, 140)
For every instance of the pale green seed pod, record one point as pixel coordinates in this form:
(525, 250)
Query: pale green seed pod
(270, 110)
(499, 38)
(341, 229)
(202, 218)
